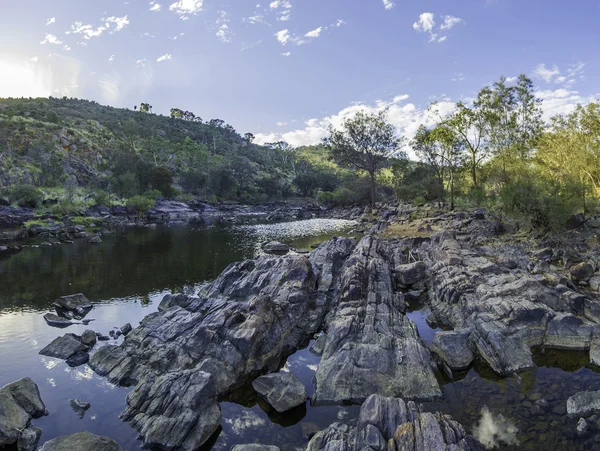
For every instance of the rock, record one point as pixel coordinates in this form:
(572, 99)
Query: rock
(29, 439)
(506, 262)
(275, 247)
(89, 337)
(454, 348)
(126, 329)
(64, 347)
(392, 424)
(595, 354)
(56, 321)
(581, 272)
(79, 407)
(15, 217)
(583, 403)
(255, 447)
(594, 283)
(81, 441)
(575, 221)
(543, 254)
(302, 251)
(283, 391)
(242, 324)
(74, 302)
(319, 344)
(410, 274)
(20, 401)
(582, 427)
(95, 239)
(78, 359)
(371, 347)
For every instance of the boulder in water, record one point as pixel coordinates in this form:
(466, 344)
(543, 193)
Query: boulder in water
(20, 401)
(283, 391)
(275, 247)
(57, 321)
(64, 347)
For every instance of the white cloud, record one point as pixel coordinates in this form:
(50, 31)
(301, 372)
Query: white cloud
(147, 35)
(283, 7)
(120, 22)
(449, 22)
(257, 18)
(388, 4)
(155, 6)
(165, 57)
(67, 48)
(283, 36)
(339, 23)
(562, 101)
(442, 39)
(405, 117)
(458, 77)
(35, 59)
(141, 63)
(426, 22)
(51, 39)
(281, 124)
(174, 38)
(51, 21)
(314, 33)
(546, 74)
(185, 8)
(511, 79)
(223, 32)
(286, 54)
(111, 59)
(111, 24)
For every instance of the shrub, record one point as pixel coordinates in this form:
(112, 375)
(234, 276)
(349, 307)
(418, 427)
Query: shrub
(67, 207)
(152, 194)
(26, 196)
(140, 204)
(161, 179)
(341, 197)
(418, 200)
(102, 198)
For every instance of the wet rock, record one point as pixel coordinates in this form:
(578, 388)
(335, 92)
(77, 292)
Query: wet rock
(29, 439)
(89, 337)
(64, 347)
(371, 347)
(78, 359)
(57, 321)
(583, 403)
(20, 401)
(392, 424)
(79, 407)
(126, 329)
(454, 348)
(255, 447)
(95, 239)
(582, 427)
(172, 300)
(582, 272)
(594, 283)
(81, 441)
(411, 273)
(302, 251)
(283, 391)
(75, 302)
(275, 247)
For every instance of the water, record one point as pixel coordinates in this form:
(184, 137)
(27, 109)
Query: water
(128, 274)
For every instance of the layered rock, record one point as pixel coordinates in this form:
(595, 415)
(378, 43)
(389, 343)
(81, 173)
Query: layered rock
(508, 311)
(20, 402)
(370, 346)
(283, 391)
(81, 441)
(390, 424)
(197, 348)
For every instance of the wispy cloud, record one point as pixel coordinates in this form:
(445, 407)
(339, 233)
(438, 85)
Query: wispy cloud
(223, 32)
(165, 57)
(155, 6)
(51, 39)
(110, 25)
(314, 33)
(450, 21)
(546, 74)
(388, 4)
(141, 63)
(35, 59)
(51, 21)
(111, 59)
(286, 54)
(426, 24)
(284, 9)
(186, 8)
(283, 36)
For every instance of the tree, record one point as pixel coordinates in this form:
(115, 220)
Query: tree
(216, 123)
(366, 142)
(249, 137)
(145, 108)
(176, 113)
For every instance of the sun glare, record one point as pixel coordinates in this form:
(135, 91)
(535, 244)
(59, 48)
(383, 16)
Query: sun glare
(23, 80)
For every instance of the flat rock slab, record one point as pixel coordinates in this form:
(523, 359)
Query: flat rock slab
(19, 402)
(454, 348)
(57, 321)
(255, 447)
(275, 247)
(283, 391)
(82, 441)
(64, 347)
(583, 403)
(73, 302)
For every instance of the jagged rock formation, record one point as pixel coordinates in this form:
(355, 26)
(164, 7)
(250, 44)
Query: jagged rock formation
(81, 441)
(197, 348)
(370, 346)
(390, 424)
(20, 402)
(283, 391)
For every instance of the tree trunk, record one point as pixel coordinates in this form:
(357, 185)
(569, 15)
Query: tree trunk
(451, 189)
(372, 174)
(474, 169)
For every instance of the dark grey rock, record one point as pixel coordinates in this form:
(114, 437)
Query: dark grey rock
(411, 273)
(575, 221)
(78, 359)
(89, 337)
(126, 329)
(81, 441)
(95, 239)
(29, 439)
(255, 447)
(582, 427)
(64, 347)
(73, 302)
(319, 344)
(581, 272)
(79, 407)
(57, 321)
(20, 401)
(454, 348)
(275, 247)
(283, 391)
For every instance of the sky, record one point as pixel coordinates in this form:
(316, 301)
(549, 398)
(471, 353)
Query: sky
(287, 69)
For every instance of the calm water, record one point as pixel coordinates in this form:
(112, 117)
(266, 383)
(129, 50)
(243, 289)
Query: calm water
(126, 277)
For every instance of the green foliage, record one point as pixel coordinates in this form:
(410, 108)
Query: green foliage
(341, 197)
(101, 197)
(161, 179)
(25, 196)
(153, 194)
(140, 204)
(67, 207)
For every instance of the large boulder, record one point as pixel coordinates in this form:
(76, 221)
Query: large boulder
(582, 272)
(575, 221)
(275, 247)
(454, 348)
(411, 273)
(583, 403)
(20, 402)
(14, 217)
(64, 347)
(283, 391)
(57, 321)
(76, 303)
(81, 441)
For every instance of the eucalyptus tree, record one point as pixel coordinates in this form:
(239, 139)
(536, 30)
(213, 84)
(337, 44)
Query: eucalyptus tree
(366, 142)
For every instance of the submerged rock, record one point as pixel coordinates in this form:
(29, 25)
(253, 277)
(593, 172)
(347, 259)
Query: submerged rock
(392, 424)
(20, 401)
(79, 407)
(583, 403)
(57, 321)
(275, 247)
(283, 391)
(81, 441)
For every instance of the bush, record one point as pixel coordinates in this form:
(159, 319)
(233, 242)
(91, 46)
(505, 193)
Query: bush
(26, 196)
(477, 196)
(67, 207)
(161, 179)
(419, 200)
(341, 197)
(102, 198)
(153, 194)
(140, 204)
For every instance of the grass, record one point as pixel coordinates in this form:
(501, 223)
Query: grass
(409, 230)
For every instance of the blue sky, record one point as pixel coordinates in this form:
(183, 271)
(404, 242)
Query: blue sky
(286, 69)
